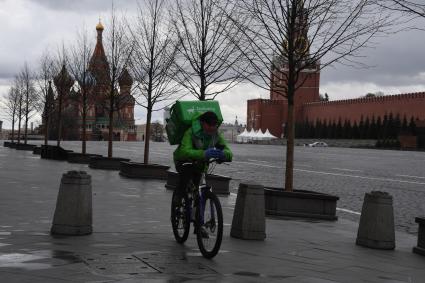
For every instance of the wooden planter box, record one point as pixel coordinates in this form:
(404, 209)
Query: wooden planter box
(80, 158)
(143, 171)
(173, 179)
(219, 184)
(420, 249)
(37, 150)
(106, 163)
(28, 147)
(54, 152)
(299, 203)
(7, 144)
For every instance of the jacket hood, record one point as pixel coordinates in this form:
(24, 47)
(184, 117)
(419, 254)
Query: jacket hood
(196, 125)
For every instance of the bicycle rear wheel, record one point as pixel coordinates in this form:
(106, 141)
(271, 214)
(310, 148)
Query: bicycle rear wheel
(180, 216)
(209, 224)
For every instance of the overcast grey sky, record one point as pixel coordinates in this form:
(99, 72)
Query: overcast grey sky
(27, 27)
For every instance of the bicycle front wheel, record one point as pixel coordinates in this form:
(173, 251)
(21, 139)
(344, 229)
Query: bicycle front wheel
(180, 216)
(209, 224)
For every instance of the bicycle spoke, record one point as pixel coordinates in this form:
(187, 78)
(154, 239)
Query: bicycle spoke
(210, 225)
(180, 220)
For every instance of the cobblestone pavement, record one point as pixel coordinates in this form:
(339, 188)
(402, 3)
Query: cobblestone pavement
(345, 172)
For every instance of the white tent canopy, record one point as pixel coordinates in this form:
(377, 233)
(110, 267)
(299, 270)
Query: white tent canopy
(252, 135)
(242, 137)
(268, 135)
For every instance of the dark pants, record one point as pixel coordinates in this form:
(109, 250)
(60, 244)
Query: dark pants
(187, 173)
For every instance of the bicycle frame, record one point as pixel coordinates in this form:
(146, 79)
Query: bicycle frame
(203, 208)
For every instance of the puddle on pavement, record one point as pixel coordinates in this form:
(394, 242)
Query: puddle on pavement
(17, 260)
(5, 233)
(29, 260)
(107, 245)
(259, 275)
(130, 196)
(193, 254)
(39, 234)
(69, 257)
(247, 273)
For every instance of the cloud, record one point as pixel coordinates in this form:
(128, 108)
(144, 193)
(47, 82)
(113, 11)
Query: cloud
(396, 59)
(348, 90)
(28, 27)
(82, 5)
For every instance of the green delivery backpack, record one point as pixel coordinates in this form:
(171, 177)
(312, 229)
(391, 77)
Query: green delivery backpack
(182, 113)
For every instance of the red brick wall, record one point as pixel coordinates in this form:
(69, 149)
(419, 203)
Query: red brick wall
(412, 104)
(266, 114)
(271, 114)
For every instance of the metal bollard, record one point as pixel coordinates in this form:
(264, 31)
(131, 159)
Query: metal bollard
(73, 213)
(249, 216)
(376, 227)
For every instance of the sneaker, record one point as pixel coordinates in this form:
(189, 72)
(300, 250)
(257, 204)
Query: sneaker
(204, 233)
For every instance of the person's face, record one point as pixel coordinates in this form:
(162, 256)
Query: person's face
(209, 128)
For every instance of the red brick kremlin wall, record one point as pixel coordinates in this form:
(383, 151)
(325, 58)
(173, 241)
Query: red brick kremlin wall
(410, 104)
(271, 114)
(266, 114)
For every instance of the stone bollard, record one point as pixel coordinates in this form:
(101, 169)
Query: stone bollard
(420, 248)
(249, 216)
(376, 227)
(73, 214)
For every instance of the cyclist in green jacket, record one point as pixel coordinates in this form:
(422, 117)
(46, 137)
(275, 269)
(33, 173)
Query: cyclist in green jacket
(199, 144)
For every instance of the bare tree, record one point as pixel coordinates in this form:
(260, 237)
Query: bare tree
(27, 81)
(118, 52)
(289, 38)
(209, 60)
(63, 82)
(157, 132)
(414, 8)
(152, 61)
(10, 108)
(19, 88)
(45, 101)
(78, 63)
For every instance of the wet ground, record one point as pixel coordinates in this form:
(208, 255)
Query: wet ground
(133, 242)
(346, 172)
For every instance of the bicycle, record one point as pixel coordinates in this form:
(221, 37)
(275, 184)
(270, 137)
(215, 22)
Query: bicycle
(202, 207)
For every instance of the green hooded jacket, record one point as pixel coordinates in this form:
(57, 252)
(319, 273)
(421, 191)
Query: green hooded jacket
(195, 142)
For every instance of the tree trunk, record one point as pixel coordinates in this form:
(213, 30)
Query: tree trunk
(59, 120)
(289, 173)
(26, 116)
(147, 135)
(46, 130)
(13, 126)
(19, 121)
(110, 133)
(84, 137)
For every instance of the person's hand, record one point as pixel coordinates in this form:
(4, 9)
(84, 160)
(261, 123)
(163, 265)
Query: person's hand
(213, 153)
(221, 157)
